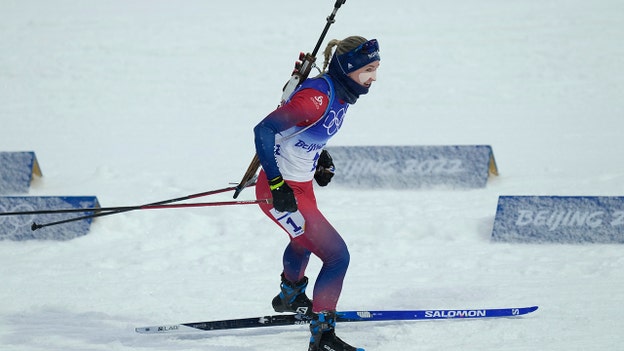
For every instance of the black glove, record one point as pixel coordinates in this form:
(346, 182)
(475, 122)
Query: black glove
(283, 196)
(324, 169)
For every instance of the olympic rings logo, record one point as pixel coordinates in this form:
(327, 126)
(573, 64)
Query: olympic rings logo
(333, 121)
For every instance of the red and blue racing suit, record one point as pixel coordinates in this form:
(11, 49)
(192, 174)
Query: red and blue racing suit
(288, 143)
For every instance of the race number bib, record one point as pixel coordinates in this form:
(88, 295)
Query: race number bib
(292, 222)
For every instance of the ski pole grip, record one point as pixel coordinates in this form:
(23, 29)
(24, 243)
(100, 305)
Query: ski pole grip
(339, 3)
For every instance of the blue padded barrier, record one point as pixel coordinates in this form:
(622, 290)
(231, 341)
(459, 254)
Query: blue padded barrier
(401, 167)
(559, 219)
(18, 227)
(16, 171)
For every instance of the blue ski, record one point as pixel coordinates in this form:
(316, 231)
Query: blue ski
(359, 316)
(343, 316)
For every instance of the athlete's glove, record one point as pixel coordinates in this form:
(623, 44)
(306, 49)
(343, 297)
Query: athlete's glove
(283, 196)
(324, 169)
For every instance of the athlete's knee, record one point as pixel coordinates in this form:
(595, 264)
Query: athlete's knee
(340, 259)
(346, 258)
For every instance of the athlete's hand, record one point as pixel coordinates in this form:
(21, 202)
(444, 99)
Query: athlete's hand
(283, 196)
(324, 169)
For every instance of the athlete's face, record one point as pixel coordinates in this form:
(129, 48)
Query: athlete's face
(366, 75)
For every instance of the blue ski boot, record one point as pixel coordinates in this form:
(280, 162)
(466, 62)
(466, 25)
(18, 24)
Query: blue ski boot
(324, 336)
(292, 298)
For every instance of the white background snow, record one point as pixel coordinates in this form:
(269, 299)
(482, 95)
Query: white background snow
(141, 101)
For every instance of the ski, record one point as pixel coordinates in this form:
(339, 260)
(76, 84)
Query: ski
(343, 316)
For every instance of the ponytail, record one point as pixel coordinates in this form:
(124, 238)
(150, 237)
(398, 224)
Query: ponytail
(342, 46)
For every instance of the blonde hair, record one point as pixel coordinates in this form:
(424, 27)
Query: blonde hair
(342, 46)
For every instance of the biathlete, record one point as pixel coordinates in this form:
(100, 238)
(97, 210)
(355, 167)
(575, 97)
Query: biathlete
(290, 144)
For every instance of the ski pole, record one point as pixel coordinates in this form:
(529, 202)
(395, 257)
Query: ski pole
(112, 211)
(143, 207)
(210, 204)
(118, 209)
(297, 76)
(36, 226)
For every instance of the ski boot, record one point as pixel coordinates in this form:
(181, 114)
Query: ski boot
(292, 298)
(324, 336)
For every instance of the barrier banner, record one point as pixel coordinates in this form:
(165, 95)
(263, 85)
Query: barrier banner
(16, 171)
(18, 227)
(400, 167)
(559, 219)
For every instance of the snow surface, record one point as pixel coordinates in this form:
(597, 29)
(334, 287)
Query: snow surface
(141, 101)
